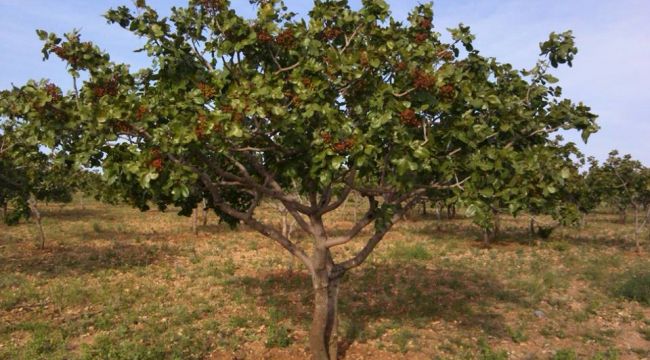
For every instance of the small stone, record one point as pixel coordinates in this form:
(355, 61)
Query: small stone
(539, 313)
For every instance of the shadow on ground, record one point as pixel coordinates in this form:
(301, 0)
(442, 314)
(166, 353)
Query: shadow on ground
(403, 294)
(57, 260)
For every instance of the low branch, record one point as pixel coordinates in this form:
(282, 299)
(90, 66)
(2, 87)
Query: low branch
(366, 220)
(362, 255)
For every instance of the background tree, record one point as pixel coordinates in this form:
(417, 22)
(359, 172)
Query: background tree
(251, 109)
(29, 176)
(623, 183)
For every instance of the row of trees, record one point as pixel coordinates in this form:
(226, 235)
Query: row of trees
(305, 112)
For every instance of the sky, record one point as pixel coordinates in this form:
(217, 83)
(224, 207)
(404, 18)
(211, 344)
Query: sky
(611, 72)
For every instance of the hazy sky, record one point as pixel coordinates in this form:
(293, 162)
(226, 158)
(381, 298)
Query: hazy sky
(611, 72)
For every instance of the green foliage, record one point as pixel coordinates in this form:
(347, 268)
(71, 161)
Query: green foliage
(620, 181)
(27, 174)
(636, 286)
(342, 90)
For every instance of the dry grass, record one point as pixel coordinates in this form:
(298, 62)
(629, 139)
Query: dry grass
(114, 283)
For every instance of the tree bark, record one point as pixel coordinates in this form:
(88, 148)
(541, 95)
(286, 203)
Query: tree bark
(531, 227)
(497, 226)
(621, 216)
(637, 229)
(37, 215)
(195, 220)
(323, 336)
(205, 212)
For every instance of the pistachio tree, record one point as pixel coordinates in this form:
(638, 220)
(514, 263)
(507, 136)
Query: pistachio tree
(623, 183)
(340, 101)
(29, 176)
(534, 181)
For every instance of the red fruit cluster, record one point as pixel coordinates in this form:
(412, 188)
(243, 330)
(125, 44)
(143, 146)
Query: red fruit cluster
(422, 80)
(409, 117)
(401, 66)
(54, 92)
(201, 126)
(293, 97)
(208, 91)
(141, 112)
(425, 23)
(108, 87)
(421, 37)
(343, 145)
(236, 116)
(212, 5)
(327, 137)
(123, 127)
(331, 33)
(447, 91)
(285, 38)
(157, 164)
(63, 54)
(446, 55)
(363, 58)
(156, 160)
(264, 36)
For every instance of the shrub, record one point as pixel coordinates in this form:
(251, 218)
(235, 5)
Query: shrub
(636, 287)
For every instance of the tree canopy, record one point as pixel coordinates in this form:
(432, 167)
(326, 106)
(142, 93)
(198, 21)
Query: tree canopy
(342, 100)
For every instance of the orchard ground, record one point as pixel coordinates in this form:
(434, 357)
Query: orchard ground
(116, 283)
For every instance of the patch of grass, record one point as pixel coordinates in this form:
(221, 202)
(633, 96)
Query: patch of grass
(487, 353)
(565, 354)
(408, 252)
(402, 338)
(635, 286)
(609, 354)
(277, 333)
(517, 334)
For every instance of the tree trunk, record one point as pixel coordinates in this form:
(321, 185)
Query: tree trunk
(37, 215)
(4, 211)
(205, 213)
(621, 216)
(497, 226)
(486, 237)
(424, 208)
(637, 229)
(531, 227)
(323, 337)
(195, 220)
